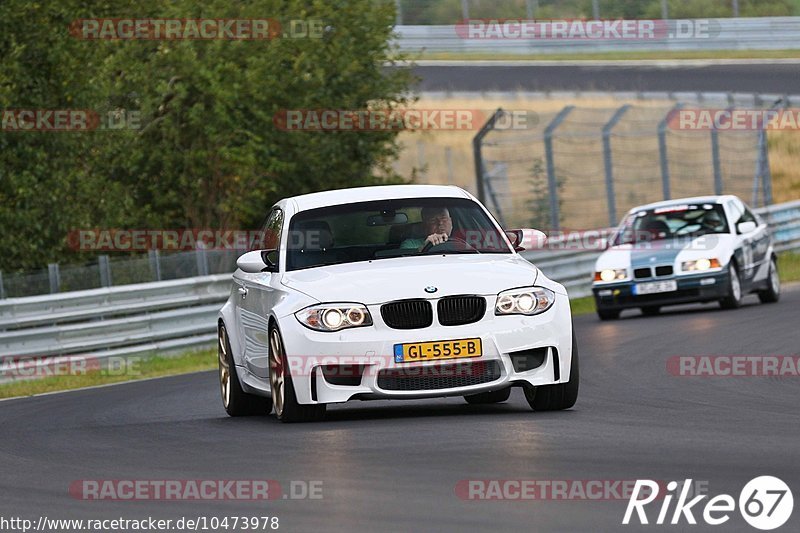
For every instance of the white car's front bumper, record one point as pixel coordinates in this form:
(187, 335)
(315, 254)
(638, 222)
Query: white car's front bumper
(373, 347)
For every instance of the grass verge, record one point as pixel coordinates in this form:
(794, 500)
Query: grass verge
(144, 368)
(788, 266)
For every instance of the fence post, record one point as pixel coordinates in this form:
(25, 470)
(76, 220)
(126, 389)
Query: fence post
(478, 156)
(662, 150)
(552, 182)
(55, 277)
(421, 158)
(763, 177)
(105, 271)
(155, 264)
(2, 289)
(202, 260)
(715, 159)
(448, 156)
(500, 169)
(610, 195)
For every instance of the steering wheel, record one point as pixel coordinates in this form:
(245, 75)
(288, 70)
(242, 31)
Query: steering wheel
(455, 243)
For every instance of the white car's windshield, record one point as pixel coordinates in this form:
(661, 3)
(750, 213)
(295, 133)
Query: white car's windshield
(383, 229)
(670, 222)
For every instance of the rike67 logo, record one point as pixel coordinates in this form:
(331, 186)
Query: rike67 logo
(765, 503)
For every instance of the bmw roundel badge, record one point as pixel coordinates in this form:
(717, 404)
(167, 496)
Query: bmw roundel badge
(431, 289)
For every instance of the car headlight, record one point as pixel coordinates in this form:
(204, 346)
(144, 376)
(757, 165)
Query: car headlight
(527, 301)
(700, 265)
(611, 274)
(333, 317)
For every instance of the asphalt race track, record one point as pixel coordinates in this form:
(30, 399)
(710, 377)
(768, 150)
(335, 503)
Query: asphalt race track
(769, 78)
(394, 466)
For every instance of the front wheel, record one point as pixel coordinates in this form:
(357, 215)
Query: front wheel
(235, 400)
(559, 396)
(773, 291)
(287, 409)
(734, 298)
(495, 396)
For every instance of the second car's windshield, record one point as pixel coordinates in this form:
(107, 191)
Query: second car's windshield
(390, 228)
(687, 220)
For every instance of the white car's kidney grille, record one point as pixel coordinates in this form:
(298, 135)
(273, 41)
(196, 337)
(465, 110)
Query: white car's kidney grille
(458, 310)
(407, 314)
(439, 376)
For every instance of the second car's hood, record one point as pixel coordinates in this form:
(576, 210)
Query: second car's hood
(385, 280)
(667, 252)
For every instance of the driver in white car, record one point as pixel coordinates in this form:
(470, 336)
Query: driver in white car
(437, 224)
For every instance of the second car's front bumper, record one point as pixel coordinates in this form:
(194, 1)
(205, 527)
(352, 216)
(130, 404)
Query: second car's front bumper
(704, 287)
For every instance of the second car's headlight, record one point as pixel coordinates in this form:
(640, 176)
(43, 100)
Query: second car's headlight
(611, 274)
(527, 301)
(700, 265)
(333, 317)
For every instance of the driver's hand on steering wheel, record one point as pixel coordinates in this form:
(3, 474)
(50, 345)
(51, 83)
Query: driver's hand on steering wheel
(434, 239)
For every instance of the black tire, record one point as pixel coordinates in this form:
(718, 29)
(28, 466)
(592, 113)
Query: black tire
(560, 396)
(734, 297)
(772, 293)
(235, 400)
(287, 409)
(495, 396)
(651, 310)
(608, 314)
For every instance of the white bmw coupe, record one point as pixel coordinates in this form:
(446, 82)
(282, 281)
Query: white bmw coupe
(391, 292)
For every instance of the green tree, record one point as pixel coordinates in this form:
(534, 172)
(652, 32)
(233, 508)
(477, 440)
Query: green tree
(208, 153)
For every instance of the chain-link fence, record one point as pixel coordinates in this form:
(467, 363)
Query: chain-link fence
(582, 168)
(109, 271)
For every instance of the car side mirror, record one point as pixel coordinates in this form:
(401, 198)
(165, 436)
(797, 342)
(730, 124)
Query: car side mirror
(746, 227)
(526, 239)
(258, 261)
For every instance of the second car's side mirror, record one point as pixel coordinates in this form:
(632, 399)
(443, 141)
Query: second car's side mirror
(746, 227)
(258, 261)
(526, 239)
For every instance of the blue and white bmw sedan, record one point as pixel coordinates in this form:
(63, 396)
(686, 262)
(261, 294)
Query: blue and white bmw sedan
(406, 291)
(705, 249)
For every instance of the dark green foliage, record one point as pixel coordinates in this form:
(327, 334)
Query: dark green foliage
(207, 153)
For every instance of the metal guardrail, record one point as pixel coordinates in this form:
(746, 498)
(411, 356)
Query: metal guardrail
(573, 268)
(139, 319)
(766, 33)
(159, 317)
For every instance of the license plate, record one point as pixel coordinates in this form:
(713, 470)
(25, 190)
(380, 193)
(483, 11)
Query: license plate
(655, 287)
(437, 350)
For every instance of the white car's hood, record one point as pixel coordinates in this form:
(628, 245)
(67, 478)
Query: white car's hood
(385, 280)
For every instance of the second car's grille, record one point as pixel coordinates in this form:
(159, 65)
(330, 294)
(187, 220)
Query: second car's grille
(640, 273)
(457, 310)
(664, 270)
(439, 376)
(407, 314)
